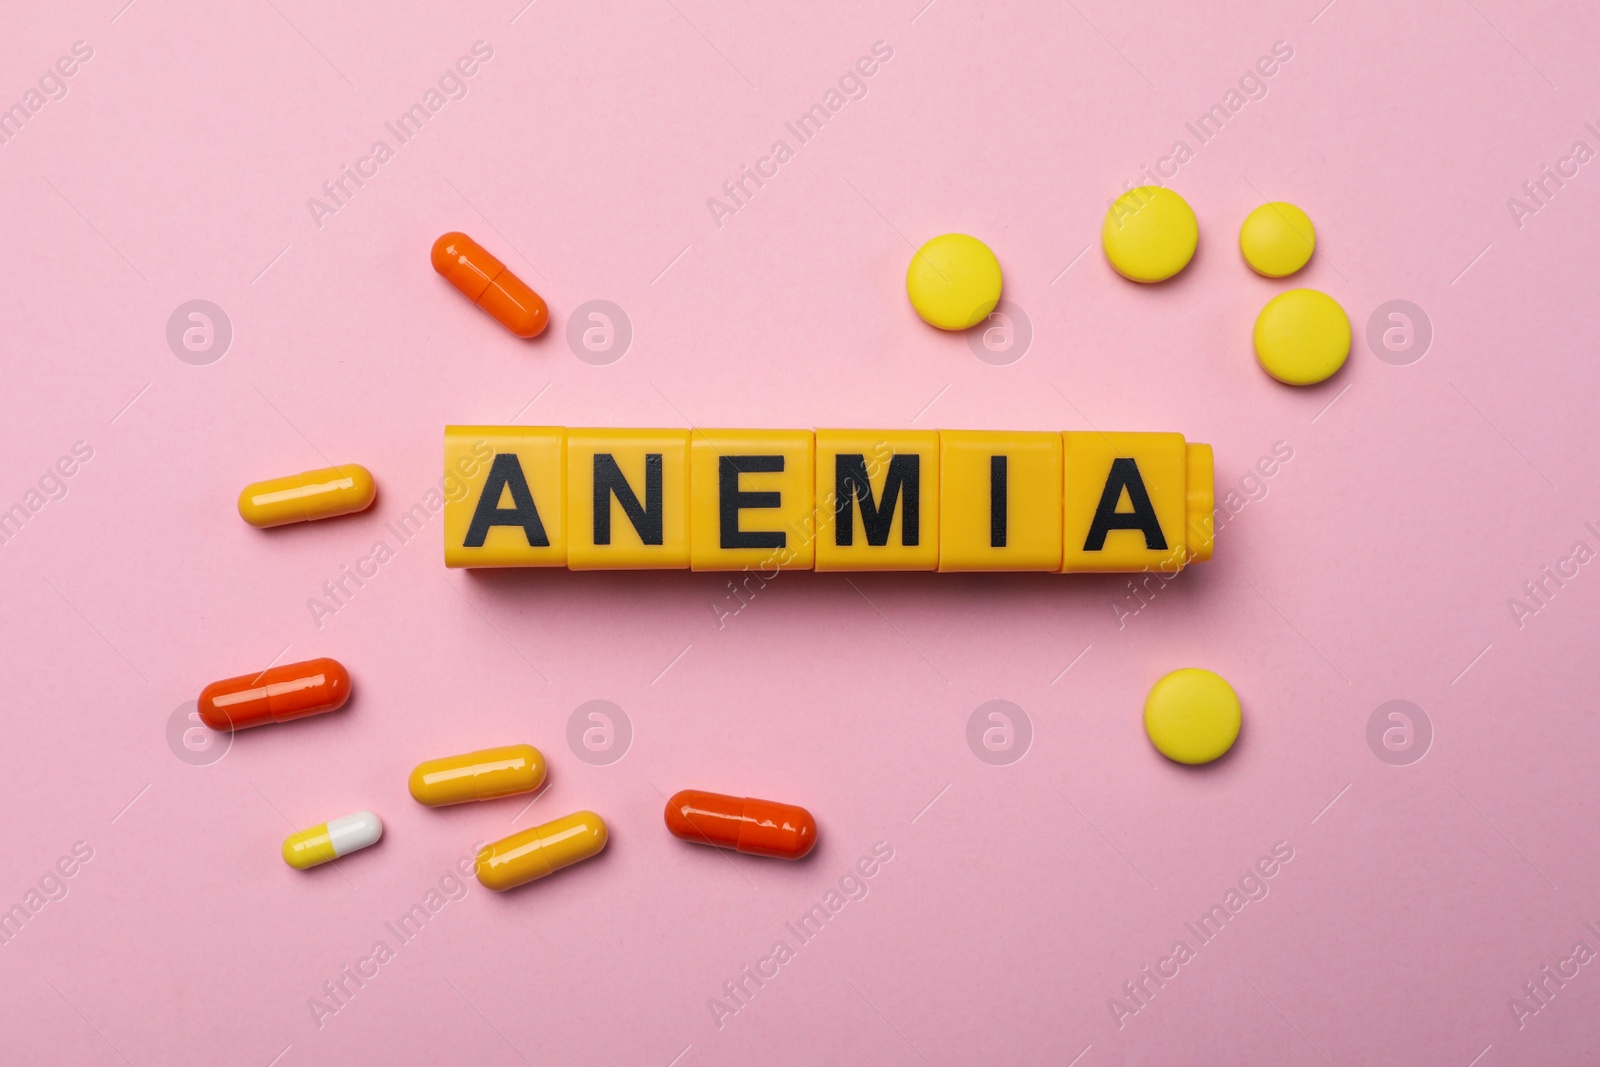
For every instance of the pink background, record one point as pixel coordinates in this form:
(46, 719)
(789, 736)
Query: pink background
(1020, 898)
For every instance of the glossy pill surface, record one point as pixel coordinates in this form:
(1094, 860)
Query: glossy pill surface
(331, 840)
(277, 694)
(755, 827)
(485, 281)
(541, 850)
(318, 494)
(482, 775)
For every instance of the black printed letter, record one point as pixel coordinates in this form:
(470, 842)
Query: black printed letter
(504, 474)
(608, 479)
(731, 499)
(1124, 475)
(850, 484)
(997, 501)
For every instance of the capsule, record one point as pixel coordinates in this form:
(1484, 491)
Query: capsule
(485, 281)
(541, 850)
(318, 494)
(754, 827)
(277, 694)
(332, 840)
(486, 774)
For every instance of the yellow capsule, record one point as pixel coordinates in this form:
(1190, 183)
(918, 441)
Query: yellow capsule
(318, 494)
(331, 840)
(541, 850)
(482, 775)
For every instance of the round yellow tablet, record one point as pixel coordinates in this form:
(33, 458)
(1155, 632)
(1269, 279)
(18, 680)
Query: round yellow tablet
(1149, 234)
(1277, 239)
(1192, 716)
(1302, 337)
(953, 281)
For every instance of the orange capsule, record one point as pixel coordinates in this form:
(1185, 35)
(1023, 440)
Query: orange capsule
(755, 827)
(276, 694)
(486, 282)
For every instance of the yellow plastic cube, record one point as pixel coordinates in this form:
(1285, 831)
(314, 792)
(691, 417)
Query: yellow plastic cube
(505, 502)
(627, 499)
(999, 501)
(1126, 501)
(877, 506)
(750, 500)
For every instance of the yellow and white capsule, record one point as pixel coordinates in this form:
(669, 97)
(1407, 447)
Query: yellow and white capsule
(318, 494)
(332, 840)
(541, 850)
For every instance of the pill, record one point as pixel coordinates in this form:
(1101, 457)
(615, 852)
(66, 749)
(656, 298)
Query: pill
(754, 827)
(953, 281)
(482, 775)
(1302, 337)
(541, 850)
(318, 494)
(277, 694)
(332, 840)
(1149, 234)
(485, 281)
(1192, 716)
(1277, 239)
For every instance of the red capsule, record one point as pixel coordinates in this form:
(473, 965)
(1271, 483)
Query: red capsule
(755, 827)
(485, 281)
(276, 694)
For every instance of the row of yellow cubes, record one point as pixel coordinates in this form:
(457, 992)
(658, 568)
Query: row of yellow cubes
(839, 500)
